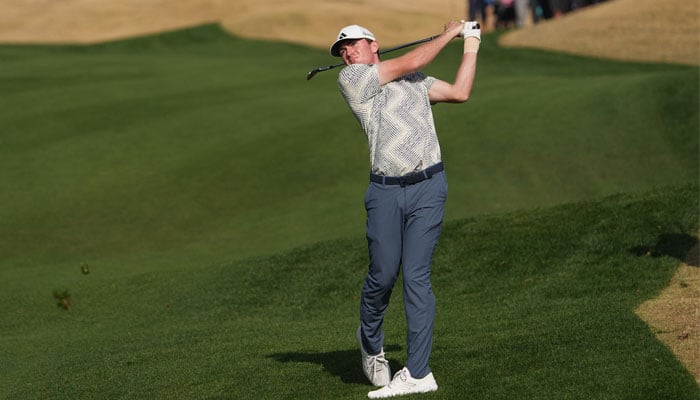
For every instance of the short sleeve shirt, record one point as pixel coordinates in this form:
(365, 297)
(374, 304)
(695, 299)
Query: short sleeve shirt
(396, 117)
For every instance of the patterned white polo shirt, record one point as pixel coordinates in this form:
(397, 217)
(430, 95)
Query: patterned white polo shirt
(396, 117)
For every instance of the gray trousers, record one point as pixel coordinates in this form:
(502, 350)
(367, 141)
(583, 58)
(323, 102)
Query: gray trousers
(403, 228)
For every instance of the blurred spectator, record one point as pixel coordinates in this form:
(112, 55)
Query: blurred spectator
(546, 9)
(521, 12)
(482, 11)
(505, 13)
(583, 3)
(560, 7)
(540, 10)
(477, 11)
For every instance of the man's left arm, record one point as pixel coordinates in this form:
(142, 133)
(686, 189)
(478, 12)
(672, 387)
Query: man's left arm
(460, 90)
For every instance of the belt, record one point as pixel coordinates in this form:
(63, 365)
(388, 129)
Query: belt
(409, 179)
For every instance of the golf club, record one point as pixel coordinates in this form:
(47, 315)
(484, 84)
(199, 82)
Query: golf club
(402, 46)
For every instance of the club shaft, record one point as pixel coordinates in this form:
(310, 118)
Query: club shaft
(399, 47)
(403, 46)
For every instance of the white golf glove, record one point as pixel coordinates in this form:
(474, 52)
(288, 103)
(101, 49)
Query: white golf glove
(471, 29)
(472, 36)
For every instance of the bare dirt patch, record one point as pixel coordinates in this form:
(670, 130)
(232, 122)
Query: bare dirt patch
(674, 317)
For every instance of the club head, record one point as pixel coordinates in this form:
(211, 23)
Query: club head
(319, 69)
(311, 73)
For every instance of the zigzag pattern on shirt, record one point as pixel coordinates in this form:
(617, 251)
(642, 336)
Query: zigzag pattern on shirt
(407, 129)
(397, 118)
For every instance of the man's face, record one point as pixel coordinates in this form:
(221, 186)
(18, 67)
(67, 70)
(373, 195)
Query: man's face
(358, 51)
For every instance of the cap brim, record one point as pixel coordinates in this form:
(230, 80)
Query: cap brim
(335, 50)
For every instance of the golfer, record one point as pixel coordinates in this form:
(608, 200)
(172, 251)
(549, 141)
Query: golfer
(406, 196)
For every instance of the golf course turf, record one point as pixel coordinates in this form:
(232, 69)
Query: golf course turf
(216, 196)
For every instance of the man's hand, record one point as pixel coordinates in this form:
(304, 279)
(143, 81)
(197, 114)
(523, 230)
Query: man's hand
(471, 32)
(471, 29)
(454, 28)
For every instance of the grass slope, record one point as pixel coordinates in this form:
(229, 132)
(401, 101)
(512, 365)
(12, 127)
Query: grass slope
(213, 146)
(164, 163)
(531, 305)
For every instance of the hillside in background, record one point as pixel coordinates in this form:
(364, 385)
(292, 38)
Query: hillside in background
(176, 139)
(641, 30)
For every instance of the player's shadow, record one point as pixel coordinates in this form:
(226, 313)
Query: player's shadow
(344, 364)
(680, 246)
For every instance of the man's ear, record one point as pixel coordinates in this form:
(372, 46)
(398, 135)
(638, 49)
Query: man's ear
(374, 46)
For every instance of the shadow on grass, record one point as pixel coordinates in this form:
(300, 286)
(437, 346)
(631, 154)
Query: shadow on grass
(344, 364)
(680, 246)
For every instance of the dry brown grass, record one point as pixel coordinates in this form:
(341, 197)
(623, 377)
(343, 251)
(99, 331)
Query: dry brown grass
(632, 30)
(305, 21)
(647, 30)
(643, 30)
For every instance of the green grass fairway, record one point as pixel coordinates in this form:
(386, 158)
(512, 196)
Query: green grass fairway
(216, 197)
(218, 147)
(531, 305)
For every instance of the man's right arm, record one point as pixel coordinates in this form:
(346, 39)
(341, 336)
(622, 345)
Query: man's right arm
(418, 58)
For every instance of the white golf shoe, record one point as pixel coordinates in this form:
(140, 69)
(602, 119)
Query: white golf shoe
(376, 367)
(403, 384)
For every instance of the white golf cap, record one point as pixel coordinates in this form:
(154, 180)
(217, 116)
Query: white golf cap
(351, 32)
